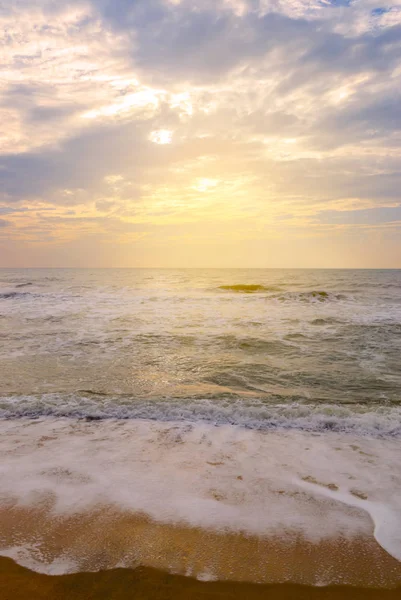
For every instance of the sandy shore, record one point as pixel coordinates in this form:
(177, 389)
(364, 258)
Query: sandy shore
(210, 503)
(18, 583)
(106, 539)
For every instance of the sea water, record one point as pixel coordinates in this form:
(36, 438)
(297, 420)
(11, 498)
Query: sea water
(221, 399)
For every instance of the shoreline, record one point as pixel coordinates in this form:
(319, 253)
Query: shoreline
(107, 539)
(214, 503)
(18, 583)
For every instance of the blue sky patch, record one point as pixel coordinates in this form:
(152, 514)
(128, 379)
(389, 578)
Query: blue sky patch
(339, 2)
(376, 12)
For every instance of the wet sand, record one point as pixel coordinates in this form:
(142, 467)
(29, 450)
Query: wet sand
(81, 500)
(18, 583)
(162, 561)
(106, 539)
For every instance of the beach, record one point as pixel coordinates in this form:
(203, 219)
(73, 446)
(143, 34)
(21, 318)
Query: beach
(219, 503)
(18, 583)
(200, 437)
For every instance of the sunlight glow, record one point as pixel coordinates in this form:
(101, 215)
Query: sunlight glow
(181, 119)
(204, 184)
(144, 98)
(183, 103)
(161, 136)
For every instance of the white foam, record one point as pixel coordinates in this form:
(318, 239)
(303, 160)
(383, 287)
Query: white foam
(253, 413)
(31, 557)
(222, 478)
(386, 520)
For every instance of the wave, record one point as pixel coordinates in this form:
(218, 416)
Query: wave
(279, 294)
(327, 321)
(249, 288)
(12, 295)
(251, 344)
(310, 296)
(376, 421)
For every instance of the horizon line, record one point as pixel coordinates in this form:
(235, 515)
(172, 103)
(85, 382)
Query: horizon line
(214, 268)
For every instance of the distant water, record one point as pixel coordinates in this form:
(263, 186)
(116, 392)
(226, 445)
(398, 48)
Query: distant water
(266, 349)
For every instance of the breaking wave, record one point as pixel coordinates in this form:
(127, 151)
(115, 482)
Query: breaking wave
(310, 296)
(13, 295)
(376, 421)
(327, 321)
(249, 288)
(277, 293)
(22, 285)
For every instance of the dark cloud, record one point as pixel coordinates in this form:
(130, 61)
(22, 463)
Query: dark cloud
(81, 162)
(345, 54)
(176, 42)
(382, 115)
(9, 210)
(171, 42)
(37, 103)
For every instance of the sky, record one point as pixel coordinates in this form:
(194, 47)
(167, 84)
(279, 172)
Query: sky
(200, 133)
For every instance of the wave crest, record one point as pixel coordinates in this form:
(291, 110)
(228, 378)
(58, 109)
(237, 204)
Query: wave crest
(12, 295)
(310, 296)
(277, 293)
(249, 288)
(375, 421)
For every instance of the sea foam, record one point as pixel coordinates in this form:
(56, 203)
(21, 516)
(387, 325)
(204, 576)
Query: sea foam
(220, 478)
(248, 412)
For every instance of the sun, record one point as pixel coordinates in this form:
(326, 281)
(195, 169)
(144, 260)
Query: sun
(161, 136)
(204, 184)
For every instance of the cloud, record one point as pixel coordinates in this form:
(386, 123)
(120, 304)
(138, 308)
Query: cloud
(38, 106)
(173, 42)
(201, 42)
(367, 216)
(120, 108)
(9, 210)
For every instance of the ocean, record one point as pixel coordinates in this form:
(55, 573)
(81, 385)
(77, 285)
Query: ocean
(245, 402)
